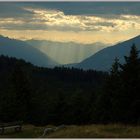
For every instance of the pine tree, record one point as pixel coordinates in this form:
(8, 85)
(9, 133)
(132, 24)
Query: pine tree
(115, 68)
(109, 96)
(131, 85)
(115, 90)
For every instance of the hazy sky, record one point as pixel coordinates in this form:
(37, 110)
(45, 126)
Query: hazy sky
(84, 22)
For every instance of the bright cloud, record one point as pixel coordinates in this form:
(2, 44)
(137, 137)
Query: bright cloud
(56, 25)
(57, 20)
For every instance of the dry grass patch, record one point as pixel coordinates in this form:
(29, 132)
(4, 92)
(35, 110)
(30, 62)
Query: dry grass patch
(74, 131)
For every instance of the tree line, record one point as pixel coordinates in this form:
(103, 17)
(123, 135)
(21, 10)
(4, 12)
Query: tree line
(62, 95)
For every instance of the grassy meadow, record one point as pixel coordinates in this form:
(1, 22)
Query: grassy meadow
(73, 131)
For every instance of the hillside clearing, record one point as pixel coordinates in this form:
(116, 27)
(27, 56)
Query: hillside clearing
(73, 131)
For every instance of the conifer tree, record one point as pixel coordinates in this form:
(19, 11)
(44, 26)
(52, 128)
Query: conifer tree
(131, 84)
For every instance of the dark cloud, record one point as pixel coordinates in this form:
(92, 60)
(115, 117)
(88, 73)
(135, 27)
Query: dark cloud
(78, 8)
(9, 10)
(15, 9)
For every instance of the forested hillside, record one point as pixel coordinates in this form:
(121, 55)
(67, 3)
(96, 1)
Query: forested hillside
(61, 95)
(46, 96)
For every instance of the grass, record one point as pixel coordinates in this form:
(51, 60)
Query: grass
(73, 131)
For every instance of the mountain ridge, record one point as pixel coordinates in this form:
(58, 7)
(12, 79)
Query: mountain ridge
(103, 59)
(22, 50)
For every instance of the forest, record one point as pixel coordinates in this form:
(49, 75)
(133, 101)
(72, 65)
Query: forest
(60, 95)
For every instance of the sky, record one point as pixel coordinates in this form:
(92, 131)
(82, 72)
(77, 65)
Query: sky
(80, 22)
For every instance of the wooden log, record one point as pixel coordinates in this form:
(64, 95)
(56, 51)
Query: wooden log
(17, 126)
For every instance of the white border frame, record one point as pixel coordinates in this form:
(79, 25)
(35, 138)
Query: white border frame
(69, 0)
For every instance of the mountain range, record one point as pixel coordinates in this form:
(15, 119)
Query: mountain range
(103, 59)
(67, 52)
(33, 51)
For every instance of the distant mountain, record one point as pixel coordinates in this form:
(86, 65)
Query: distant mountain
(66, 52)
(22, 50)
(103, 59)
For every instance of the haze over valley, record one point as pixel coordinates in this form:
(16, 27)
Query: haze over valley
(42, 53)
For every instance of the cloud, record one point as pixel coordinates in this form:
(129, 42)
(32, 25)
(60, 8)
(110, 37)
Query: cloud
(48, 19)
(8, 10)
(90, 8)
(79, 22)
